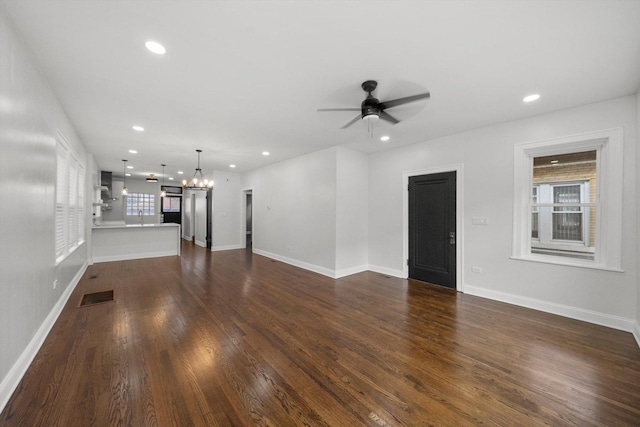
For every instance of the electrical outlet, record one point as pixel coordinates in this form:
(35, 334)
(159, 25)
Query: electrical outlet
(476, 269)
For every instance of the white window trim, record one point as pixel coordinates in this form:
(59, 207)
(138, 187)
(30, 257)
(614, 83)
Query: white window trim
(609, 144)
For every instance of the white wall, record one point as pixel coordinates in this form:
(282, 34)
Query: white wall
(294, 210)
(352, 211)
(637, 325)
(30, 117)
(227, 199)
(487, 156)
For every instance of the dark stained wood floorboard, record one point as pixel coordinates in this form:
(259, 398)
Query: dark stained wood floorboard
(234, 339)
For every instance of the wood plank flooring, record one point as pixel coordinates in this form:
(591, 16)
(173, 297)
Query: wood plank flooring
(234, 339)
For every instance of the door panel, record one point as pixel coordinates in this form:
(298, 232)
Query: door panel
(432, 228)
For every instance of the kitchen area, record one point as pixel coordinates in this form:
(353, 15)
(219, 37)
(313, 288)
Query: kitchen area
(134, 225)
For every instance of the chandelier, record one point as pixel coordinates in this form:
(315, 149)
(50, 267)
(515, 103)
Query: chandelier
(198, 181)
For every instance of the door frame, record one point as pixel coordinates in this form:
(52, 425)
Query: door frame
(243, 215)
(458, 168)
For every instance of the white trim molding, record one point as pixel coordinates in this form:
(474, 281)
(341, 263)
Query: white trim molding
(14, 376)
(458, 168)
(305, 265)
(226, 248)
(608, 320)
(636, 332)
(387, 271)
(110, 258)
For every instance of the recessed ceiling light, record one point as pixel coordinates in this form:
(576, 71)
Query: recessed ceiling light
(232, 166)
(530, 98)
(129, 167)
(127, 174)
(155, 47)
(138, 128)
(170, 178)
(180, 172)
(265, 153)
(384, 138)
(133, 151)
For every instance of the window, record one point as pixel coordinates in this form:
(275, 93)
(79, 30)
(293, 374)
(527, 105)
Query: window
(171, 204)
(141, 202)
(568, 200)
(561, 219)
(69, 209)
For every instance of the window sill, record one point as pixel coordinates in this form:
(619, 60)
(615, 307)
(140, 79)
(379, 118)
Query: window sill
(568, 262)
(66, 255)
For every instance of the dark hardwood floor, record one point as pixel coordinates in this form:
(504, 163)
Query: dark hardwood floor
(230, 338)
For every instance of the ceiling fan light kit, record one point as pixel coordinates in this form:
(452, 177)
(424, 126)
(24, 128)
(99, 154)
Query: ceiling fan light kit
(372, 109)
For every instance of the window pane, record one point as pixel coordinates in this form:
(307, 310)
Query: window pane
(567, 226)
(562, 180)
(534, 225)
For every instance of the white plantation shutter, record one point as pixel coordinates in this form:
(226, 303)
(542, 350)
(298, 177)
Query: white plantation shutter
(80, 205)
(70, 210)
(61, 199)
(72, 230)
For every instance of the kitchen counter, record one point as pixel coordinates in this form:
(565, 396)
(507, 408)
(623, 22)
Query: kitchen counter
(119, 241)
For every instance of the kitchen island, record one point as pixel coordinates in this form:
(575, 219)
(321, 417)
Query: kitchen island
(117, 242)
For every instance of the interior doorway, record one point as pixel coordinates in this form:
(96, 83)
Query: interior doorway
(249, 221)
(248, 230)
(456, 279)
(432, 228)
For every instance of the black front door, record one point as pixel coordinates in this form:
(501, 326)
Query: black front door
(432, 228)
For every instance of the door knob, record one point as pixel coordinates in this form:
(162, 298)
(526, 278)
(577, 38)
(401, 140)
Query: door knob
(452, 237)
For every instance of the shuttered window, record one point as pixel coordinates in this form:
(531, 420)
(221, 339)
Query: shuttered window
(61, 199)
(69, 209)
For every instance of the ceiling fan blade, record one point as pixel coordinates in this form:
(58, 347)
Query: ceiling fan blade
(355, 119)
(400, 101)
(338, 109)
(388, 117)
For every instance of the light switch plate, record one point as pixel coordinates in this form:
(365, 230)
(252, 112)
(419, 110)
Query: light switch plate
(480, 220)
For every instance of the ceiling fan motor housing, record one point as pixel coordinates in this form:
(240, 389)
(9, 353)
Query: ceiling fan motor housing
(370, 108)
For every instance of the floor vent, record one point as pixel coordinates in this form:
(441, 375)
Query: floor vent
(93, 277)
(96, 298)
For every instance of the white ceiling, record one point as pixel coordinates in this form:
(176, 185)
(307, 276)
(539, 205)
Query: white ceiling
(241, 77)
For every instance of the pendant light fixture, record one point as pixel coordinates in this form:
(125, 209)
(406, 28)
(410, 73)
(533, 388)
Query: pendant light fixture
(163, 193)
(124, 177)
(198, 181)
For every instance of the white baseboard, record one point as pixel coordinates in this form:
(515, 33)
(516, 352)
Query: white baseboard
(307, 266)
(111, 258)
(608, 320)
(14, 376)
(349, 271)
(226, 248)
(387, 271)
(636, 332)
(201, 243)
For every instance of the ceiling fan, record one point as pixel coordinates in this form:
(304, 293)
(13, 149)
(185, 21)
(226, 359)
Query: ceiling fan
(372, 109)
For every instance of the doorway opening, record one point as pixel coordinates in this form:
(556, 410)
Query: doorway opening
(247, 218)
(433, 225)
